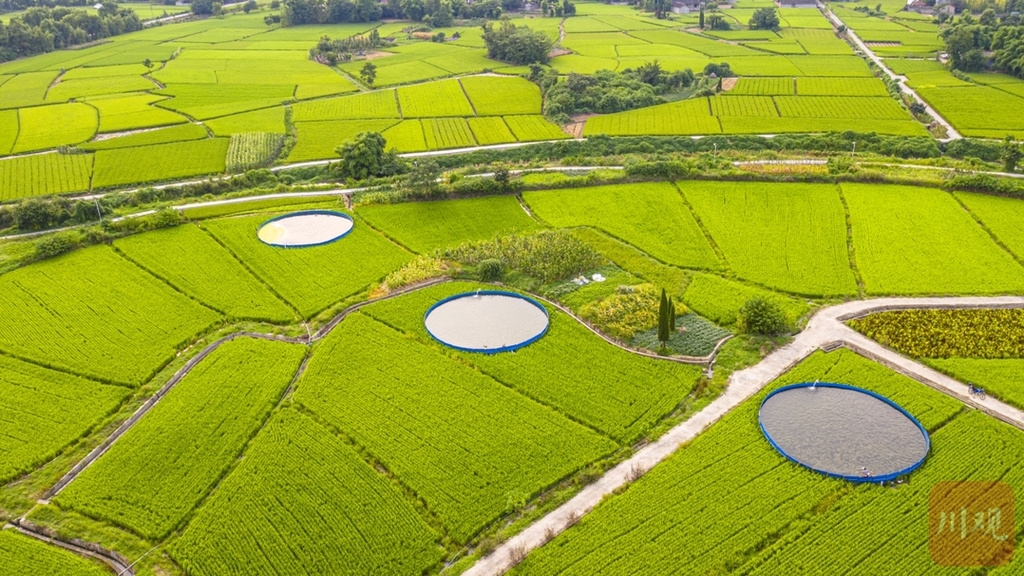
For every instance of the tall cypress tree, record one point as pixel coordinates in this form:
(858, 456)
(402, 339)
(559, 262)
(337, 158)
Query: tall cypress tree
(701, 21)
(663, 318)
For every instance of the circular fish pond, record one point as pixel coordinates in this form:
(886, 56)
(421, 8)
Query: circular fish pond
(487, 321)
(308, 228)
(843, 431)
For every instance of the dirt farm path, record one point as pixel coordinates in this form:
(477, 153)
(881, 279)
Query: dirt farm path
(826, 330)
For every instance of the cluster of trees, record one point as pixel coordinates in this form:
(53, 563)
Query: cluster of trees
(764, 19)
(605, 92)
(296, 12)
(42, 29)
(17, 5)
(553, 8)
(969, 40)
(441, 13)
(516, 44)
(331, 52)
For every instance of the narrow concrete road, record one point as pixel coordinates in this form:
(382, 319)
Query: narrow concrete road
(825, 329)
(951, 133)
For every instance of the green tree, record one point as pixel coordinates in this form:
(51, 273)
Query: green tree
(250, 6)
(700, 19)
(443, 17)
(422, 179)
(664, 319)
(1010, 154)
(516, 44)
(762, 316)
(413, 9)
(363, 156)
(368, 73)
(202, 7)
(764, 19)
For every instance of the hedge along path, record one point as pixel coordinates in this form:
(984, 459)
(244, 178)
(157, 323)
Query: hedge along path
(824, 331)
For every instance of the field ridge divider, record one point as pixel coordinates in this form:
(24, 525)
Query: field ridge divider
(252, 273)
(700, 224)
(468, 99)
(167, 282)
(850, 248)
(987, 230)
(417, 502)
(284, 395)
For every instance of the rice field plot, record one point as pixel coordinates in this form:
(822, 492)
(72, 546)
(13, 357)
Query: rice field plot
(311, 279)
(43, 175)
(103, 317)
(752, 86)
(403, 72)
(406, 136)
(1003, 217)
(179, 133)
(167, 463)
(205, 101)
(22, 554)
(831, 66)
(42, 127)
(249, 150)
(707, 46)
(766, 125)
(318, 140)
(762, 64)
(912, 240)
(490, 130)
(434, 99)
(265, 120)
(978, 110)
(365, 378)
(441, 133)
(43, 411)
(905, 66)
(676, 118)
(142, 164)
(743, 106)
(720, 300)
(1000, 377)
(8, 130)
(793, 236)
(651, 217)
(85, 87)
(119, 113)
(28, 89)
(379, 104)
(583, 64)
(763, 513)
(502, 96)
(615, 392)
(462, 60)
(840, 87)
(534, 128)
(633, 260)
(297, 479)
(854, 107)
(947, 333)
(194, 263)
(425, 226)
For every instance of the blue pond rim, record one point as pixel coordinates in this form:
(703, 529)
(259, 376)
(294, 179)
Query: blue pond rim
(506, 293)
(306, 213)
(856, 479)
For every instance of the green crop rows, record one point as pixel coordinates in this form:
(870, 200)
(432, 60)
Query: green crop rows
(150, 479)
(652, 217)
(248, 150)
(279, 491)
(764, 514)
(473, 472)
(44, 411)
(24, 555)
(793, 239)
(948, 333)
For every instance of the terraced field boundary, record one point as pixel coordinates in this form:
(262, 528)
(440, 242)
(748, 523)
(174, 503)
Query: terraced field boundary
(117, 563)
(826, 331)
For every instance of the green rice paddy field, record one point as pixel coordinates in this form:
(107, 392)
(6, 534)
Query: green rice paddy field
(305, 441)
(218, 77)
(252, 462)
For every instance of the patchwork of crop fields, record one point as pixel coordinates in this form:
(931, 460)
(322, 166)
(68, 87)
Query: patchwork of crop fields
(371, 448)
(237, 75)
(150, 480)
